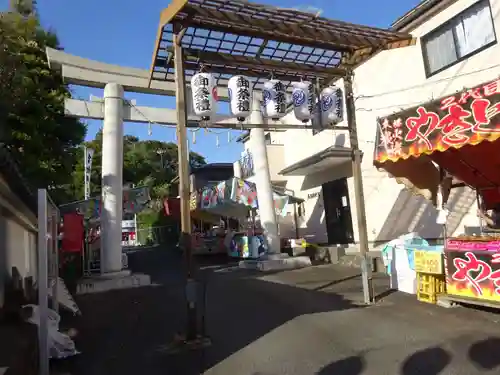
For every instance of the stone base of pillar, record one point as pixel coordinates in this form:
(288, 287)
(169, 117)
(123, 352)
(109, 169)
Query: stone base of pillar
(112, 281)
(114, 275)
(276, 263)
(274, 256)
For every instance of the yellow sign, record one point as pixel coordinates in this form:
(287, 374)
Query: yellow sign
(429, 262)
(193, 201)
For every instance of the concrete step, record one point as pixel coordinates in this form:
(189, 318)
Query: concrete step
(99, 284)
(346, 256)
(350, 261)
(276, 262)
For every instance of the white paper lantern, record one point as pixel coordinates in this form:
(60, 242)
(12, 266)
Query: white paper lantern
(332, 105)
(240, 97)
(303, 100)
(204, 95)
(273, 99)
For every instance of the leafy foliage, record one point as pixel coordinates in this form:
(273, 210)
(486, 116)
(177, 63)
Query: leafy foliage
(34, 127)
(47, 144)
(145, 163)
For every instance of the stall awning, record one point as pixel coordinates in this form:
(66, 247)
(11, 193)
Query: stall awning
(329, 158)
(232, 198)
(457, 132)
(173, 208)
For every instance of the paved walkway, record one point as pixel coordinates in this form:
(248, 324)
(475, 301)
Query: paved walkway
(298, 322)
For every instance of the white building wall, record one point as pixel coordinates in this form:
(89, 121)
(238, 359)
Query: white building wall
(18, 248)
(387, 83)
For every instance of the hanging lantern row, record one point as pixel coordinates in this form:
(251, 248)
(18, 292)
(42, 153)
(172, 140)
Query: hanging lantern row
(274, 104)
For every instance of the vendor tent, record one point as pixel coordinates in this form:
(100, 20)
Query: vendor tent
(173, 208)
(457, 132)
(232, 198)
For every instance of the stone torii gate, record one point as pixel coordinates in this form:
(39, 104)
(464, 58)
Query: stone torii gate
(114, 110)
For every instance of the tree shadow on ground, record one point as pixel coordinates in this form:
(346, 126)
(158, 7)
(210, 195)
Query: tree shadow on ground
(348, 366)
(484, 354)
(435, 360)
(429, 361)
(126, 331)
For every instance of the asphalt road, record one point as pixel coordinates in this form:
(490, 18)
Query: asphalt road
(300, 322)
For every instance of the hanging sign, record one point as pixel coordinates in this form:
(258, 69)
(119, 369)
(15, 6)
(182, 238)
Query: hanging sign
(244, 192)
(87, 164)
(303, 100)
(280, 204)
(273, 99)
(204, 93)
(240, 97)
(246, 165)
(465, 118)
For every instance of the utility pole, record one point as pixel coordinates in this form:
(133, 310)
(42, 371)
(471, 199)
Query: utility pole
(358, 190)
(184, 186)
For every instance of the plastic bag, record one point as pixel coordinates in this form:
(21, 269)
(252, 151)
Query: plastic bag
(405, 240)
(60, 344)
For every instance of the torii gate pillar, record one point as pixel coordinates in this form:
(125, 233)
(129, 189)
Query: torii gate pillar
(112, 180)
(263, 181)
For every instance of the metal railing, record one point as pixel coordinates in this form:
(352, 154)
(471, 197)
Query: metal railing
(48, 270)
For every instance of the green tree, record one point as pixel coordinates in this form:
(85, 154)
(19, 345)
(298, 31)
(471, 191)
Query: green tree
(23, 7)
(145, 163)
(34, 128)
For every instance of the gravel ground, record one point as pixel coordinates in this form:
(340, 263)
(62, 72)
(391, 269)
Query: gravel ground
(301, 322)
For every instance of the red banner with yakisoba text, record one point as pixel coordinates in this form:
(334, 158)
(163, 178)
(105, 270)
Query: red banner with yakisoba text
(473, 274)
(466, 118)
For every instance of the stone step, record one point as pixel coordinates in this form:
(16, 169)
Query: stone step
(99, 284)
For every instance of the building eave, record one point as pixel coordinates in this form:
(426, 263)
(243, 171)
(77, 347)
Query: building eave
(420, 14)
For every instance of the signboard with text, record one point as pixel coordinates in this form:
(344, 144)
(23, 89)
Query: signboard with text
(429, 262)
(473, 274)
(467, 117)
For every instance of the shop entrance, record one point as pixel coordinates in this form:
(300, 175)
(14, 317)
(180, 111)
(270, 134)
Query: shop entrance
(338, 218)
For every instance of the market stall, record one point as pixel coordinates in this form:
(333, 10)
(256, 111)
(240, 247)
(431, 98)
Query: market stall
(234, 199)
(206, 238)
(433, 147)
(235, 202)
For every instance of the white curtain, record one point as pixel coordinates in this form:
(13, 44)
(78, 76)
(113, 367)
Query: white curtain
(469, 32)
(474, 29)
(440, 50)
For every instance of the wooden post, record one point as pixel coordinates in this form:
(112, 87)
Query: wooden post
(184, 185)
(358, 190)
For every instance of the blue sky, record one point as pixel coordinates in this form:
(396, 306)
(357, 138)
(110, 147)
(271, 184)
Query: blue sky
(123, 32)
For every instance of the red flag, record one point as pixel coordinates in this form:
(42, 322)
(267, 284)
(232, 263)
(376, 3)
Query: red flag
(172, 207)
(73, 232)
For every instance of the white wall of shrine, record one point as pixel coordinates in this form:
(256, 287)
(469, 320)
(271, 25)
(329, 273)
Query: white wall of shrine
(387, 83)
